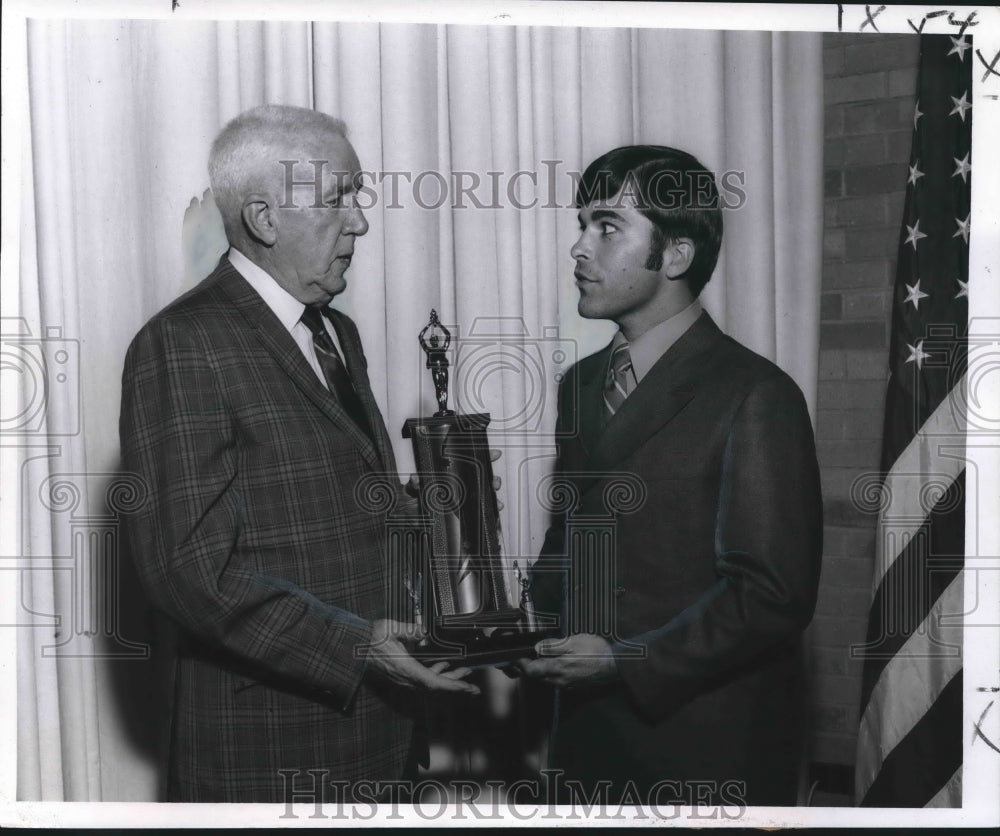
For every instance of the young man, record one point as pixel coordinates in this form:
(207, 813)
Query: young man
(680, 673)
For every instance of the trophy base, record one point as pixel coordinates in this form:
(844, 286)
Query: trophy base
(481, 640)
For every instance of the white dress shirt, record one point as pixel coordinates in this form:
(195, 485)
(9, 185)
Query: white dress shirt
(286, 307)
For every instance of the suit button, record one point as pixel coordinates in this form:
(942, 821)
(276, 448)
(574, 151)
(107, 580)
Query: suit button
(619, 591)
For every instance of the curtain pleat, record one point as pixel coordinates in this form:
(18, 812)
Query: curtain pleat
(66, 721)
(114, 227)
(749, 239)
(798, 209)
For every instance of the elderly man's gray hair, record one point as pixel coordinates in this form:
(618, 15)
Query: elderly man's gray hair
(244, 157)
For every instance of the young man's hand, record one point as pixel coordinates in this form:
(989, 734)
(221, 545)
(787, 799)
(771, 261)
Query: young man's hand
(581, 659)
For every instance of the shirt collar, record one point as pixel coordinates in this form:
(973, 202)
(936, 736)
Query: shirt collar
(652, 345)
(286, 307)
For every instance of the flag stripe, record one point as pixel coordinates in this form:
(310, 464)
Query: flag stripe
(909, 685)
(950, 795)
(936, 450)
(921, 764)
(918, 576)
(909, 739)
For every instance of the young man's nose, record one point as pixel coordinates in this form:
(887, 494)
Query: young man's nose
(581, 249)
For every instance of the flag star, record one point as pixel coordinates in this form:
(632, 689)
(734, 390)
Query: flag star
(914, 294)
(961, 105)
(917, 354)
(915, 174)
(913, 234)
(963, 228)
(959, 45)
(916, 114)
(962, 167)
(963, 289)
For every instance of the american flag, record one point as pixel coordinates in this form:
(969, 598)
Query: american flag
(910, 735)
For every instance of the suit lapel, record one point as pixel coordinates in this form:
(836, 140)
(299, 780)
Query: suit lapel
(591, 406)
(279, 343)
(665, 390)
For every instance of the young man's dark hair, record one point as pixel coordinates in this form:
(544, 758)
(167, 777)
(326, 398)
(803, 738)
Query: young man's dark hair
(671, 188)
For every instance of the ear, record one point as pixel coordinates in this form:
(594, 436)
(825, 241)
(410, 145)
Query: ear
(677, 257)
(259, 219)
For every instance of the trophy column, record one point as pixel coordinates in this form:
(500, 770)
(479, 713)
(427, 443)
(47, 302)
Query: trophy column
(467, 613)
(452, 456)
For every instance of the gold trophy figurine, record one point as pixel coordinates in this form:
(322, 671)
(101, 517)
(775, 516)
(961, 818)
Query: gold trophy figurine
(434, 339)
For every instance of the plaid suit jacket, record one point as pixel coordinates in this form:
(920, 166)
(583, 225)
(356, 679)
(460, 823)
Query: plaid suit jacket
(255, 540)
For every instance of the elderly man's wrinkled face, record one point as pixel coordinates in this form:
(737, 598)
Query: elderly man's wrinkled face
(318, 222)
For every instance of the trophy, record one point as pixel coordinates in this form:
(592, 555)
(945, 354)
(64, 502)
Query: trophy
(459, 590)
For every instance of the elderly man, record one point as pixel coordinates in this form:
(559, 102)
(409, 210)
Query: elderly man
(247, 411)
(681, 674)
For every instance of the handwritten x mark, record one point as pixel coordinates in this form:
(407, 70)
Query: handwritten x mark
(870, 17)
(989, 67)
(978, 731)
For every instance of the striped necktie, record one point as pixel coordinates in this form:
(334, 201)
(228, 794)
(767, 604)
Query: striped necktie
(620, 380)
(338, 380)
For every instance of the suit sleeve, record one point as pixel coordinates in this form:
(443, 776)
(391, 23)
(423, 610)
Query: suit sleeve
(177, 435)
(768, 549)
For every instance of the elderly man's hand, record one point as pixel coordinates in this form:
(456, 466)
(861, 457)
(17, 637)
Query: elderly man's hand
(389, 659)
(582, 659)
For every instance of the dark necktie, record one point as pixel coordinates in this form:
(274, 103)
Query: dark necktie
(338, 380)
(619, 380)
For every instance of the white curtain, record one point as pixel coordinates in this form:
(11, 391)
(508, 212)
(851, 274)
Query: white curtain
(121, 117)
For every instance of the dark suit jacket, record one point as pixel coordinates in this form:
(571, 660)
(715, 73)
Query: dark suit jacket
(256, 541)
(714, 576)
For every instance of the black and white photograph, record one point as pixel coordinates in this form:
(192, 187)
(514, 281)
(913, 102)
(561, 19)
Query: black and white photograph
(534, 413)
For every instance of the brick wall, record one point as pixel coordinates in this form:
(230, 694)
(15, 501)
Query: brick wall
(869, 98)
